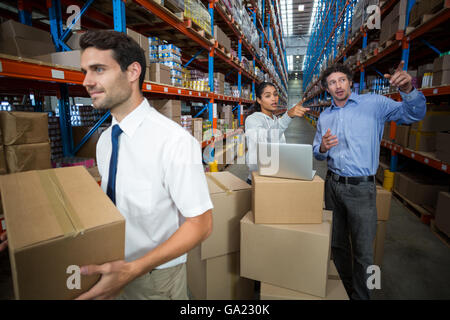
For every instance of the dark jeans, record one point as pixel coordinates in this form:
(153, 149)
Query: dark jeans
(354, 230)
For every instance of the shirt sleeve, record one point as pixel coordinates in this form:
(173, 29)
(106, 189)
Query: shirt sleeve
(411, 109)
(317, 142)
(284, 122)
(185, 177)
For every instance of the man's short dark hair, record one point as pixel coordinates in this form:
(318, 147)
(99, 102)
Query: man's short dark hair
(125, 49)
(337, 67)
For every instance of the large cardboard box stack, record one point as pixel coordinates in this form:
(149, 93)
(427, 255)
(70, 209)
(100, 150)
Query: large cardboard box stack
(58, 220)
(442, 213)
(423, 133)
(21, 40)
(383, 203)
(158, 72)
(170, 108)
(227, 115)
(441, 71)
(286, 238)
(421, 190)
(443, 146)
(290, 256)
(213, 267)
(26, 140)
(394, 21)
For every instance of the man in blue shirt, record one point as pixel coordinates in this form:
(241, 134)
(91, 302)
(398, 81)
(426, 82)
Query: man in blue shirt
(348, 136)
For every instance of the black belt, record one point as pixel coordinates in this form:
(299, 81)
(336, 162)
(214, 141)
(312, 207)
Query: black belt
(349, 180)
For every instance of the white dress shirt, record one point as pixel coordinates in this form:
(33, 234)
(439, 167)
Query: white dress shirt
(259, 127)
(160, 179)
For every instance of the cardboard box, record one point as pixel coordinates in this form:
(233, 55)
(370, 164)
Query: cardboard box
(3, 169)
(278, 200)
(25, 157)
(134, 35)
(24, 127)
(443, 146)
(89, 149)
(159, 73)
(402, 135)
(291, 256)
(177, 120)
(14, 29)
(66, 58)
(335, 291)
(217, 278)
(422, 141)
(231, 198)
(378, 244)
(442, 214)
(441, 63)
(441, 78)
(169, 108)
(26, 48)
(222, 38)
(418, 190)
(55, 219)
(383, 203)
(433, 121)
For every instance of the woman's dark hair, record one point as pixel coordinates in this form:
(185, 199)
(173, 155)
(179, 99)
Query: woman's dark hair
(256, 107)
(125, 49)
(338, 67)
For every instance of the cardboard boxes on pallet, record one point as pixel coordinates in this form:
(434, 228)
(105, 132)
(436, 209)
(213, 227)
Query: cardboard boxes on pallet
(402, 135)
(291, 256)
(213, 266)
(423, 133)
(222, 38)
(158, 72)
(66, 58)
(59, 216)
(170, 108)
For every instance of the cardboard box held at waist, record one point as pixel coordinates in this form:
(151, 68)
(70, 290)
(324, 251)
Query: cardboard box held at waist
(57, 221)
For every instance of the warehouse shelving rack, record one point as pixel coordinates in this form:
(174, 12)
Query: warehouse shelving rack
(20, 74)
(407, 43)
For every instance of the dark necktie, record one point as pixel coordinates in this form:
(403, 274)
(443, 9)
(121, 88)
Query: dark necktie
(111, 189)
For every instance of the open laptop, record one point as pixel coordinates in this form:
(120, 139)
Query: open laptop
(294, 160)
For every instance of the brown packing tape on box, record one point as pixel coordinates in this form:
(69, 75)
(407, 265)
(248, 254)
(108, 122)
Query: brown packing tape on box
(24, 127)
(24, 157)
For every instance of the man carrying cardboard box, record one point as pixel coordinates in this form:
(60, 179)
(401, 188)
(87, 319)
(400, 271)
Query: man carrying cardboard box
(348, 136)
(164, 200)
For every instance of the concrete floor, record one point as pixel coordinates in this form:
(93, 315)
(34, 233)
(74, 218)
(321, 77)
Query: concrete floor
(416, 264)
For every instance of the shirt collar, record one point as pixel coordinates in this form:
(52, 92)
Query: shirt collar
(353, 97)
(134, 119)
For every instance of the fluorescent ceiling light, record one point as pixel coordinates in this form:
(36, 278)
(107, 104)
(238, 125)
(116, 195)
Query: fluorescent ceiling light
(298, 57)
(301, 7)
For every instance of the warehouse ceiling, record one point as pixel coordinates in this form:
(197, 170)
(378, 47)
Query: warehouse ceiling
(297, 24)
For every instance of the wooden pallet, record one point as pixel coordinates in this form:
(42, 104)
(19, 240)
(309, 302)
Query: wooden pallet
(222, 48)
(424, 214)
(195, 27)
(438, 233)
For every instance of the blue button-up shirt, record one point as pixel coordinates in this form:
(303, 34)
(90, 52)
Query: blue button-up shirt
(359, 126)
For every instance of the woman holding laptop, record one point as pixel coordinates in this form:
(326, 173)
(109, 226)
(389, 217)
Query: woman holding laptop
(264, 126)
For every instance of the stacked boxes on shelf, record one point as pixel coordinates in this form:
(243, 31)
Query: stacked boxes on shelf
(394, 21)
(186, 123)
(219, 83)
(85, 115)
(170, 56)
(222, 38)
(227, 115)
(196, 80)
(422, 136)
(26, 140)
(213, 267)
(443, 146)
(441, 70)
